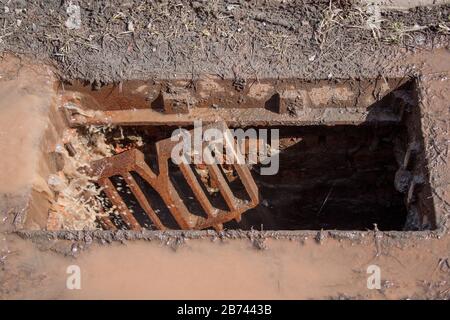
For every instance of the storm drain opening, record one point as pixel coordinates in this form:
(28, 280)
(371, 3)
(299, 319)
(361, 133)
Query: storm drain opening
(349, 157)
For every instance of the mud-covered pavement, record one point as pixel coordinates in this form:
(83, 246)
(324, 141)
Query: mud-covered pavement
(116, 41)
(239, 40)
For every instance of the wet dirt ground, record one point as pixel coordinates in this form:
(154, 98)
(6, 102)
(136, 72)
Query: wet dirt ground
(116, 40)
(303, 266)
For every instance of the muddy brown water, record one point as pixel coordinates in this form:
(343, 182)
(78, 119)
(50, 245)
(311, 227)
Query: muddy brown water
(230, 270)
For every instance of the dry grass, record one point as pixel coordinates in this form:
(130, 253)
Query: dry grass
(332, 17)
(368, 18)
(365, 18)
(397, 32)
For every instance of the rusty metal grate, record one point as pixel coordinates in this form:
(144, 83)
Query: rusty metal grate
(133, 161)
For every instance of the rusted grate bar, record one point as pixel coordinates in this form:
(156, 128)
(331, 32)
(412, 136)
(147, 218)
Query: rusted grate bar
(267, 102)
(235, 117)
(106, 223)
(133, 161)
(130, 181)
(116, 199)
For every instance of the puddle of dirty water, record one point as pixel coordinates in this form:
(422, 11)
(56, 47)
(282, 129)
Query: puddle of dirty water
(232, 270)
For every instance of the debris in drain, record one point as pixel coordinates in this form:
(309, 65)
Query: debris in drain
(78, 202)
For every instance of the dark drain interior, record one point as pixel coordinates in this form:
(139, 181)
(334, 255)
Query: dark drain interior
(338, 177)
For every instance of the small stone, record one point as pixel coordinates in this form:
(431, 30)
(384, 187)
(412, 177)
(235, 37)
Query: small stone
(402, 180)
(74, 20)
(130, 26)
(196, 5)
